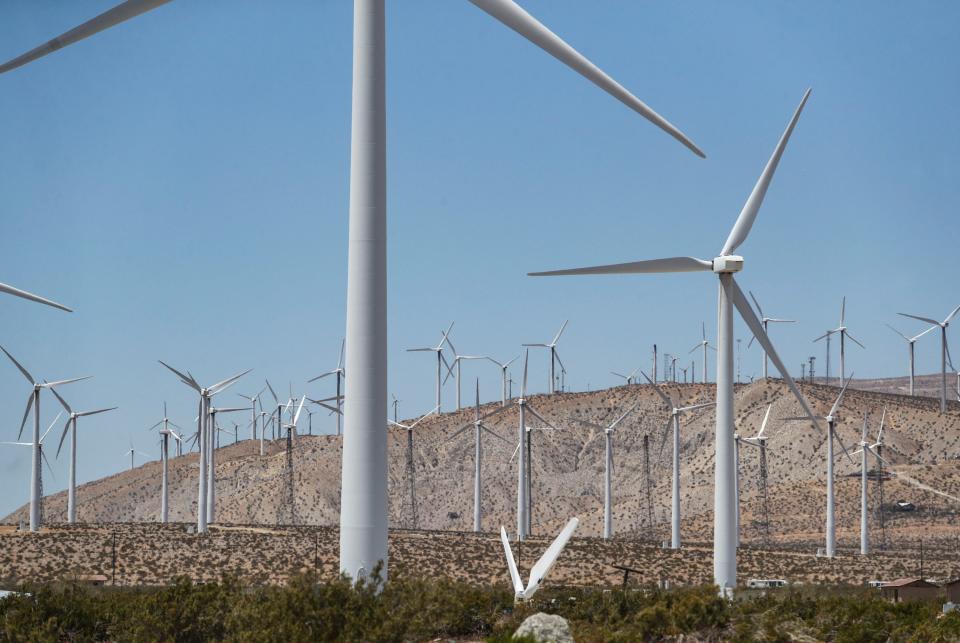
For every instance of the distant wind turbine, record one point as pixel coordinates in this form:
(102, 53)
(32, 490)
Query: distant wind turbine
(554, 357)
(944, 351)
(910, 342)
(766, 321)
(704, 345)
(441, 360)
(339, 374)
(503, 378)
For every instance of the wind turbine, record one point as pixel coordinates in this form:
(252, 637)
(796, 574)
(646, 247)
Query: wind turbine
(766, 321)
(71, 426)
(703, 344)
(410, 464)
(503, 377)
(724, 266)
(944, 351)
(363, 517)
(608, 468)
(554, 358)
(831, 420)
(204, 435)
(844, 334)
(34, 403)
(458, 360)
(910, 342)
(339, 374)
(441, 360)
(131, 451)
(760, 442)
(478, 428)
(165, 434)
(23, 294)
(630, 379)
(542, 567)
(865, 448)
(253, 399)
(36, 475)
(291, 500)
(674, 421)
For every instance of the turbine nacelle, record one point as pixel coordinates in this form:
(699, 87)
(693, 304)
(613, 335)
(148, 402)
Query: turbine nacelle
(728, 264)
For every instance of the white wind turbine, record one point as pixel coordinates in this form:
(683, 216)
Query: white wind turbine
(363, 518)
(844, 334)
(944, 351)
(254, 400)
(36, 477)
(339, 374)
(608, 468)
(541, 568)
(910, 342)
(724, 266)
(554, 358)
(23, 294)
(441, 360)
(503, 377)
(704, 345)
(204, 436)
(165, 434)
(865, 448)
(131, 451)
(759, 441)
(765, 322)
(410, 464)
(34, 403)
(458, 360)
(831, 420)
(674, 422)
(71, 426)
(629, 379)
(478, 428)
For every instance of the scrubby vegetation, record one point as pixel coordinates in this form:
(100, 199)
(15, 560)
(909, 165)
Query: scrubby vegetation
(409, 609)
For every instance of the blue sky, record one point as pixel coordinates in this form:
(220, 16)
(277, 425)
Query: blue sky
(182, 181)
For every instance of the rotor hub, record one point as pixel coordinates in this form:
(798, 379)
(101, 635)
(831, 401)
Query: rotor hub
(728, 264)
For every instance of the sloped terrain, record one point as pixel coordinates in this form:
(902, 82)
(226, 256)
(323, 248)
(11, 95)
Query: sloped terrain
(921, 445)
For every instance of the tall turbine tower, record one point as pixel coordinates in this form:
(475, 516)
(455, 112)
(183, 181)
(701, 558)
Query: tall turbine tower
(363, 517)
(724, 266)
(702, 344)
(910, 342)
(554, 358)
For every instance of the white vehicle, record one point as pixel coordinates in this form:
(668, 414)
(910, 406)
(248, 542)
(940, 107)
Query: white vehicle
(766, 583)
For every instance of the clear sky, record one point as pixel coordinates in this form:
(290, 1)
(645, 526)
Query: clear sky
(182, 181)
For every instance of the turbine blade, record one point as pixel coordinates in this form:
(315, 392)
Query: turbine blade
(625, 414)
(541, 418)
(836, 405)
(19, 366)
(916, 337)
(883, 418)
(26, 413)
(843, 309)
(494, 434)
(49, 428)
(746, 312)
(854, 340)
(63, 402)
(511, 564)
(560, 332)
(50, 385)
(756, 303)
(186, 379)
(951, 315)
(224, 384)
(549, 558)
(10, 290)
(120, 13)
(513, 16)
(740, 230)
(694, 407)
(63, 435)
(343, 346)
(523, 385)
(901, 334)
(659, 391)
(671, 264)
(924, 319)
(763, 425)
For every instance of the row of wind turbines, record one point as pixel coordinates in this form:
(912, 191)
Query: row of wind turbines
(363, 527)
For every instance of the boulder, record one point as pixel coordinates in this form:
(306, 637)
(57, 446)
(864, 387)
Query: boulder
(546, 628)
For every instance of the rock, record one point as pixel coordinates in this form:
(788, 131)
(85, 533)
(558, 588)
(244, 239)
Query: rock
(546, 628)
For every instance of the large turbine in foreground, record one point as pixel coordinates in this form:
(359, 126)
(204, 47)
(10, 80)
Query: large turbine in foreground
(363, 517)
(730, 295)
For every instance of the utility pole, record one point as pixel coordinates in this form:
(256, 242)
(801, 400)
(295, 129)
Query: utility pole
(654, 378)
(738, 360)
(810, 369)
(649, 482)
(803, 371)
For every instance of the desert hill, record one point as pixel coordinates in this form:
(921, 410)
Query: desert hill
(922, 447)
